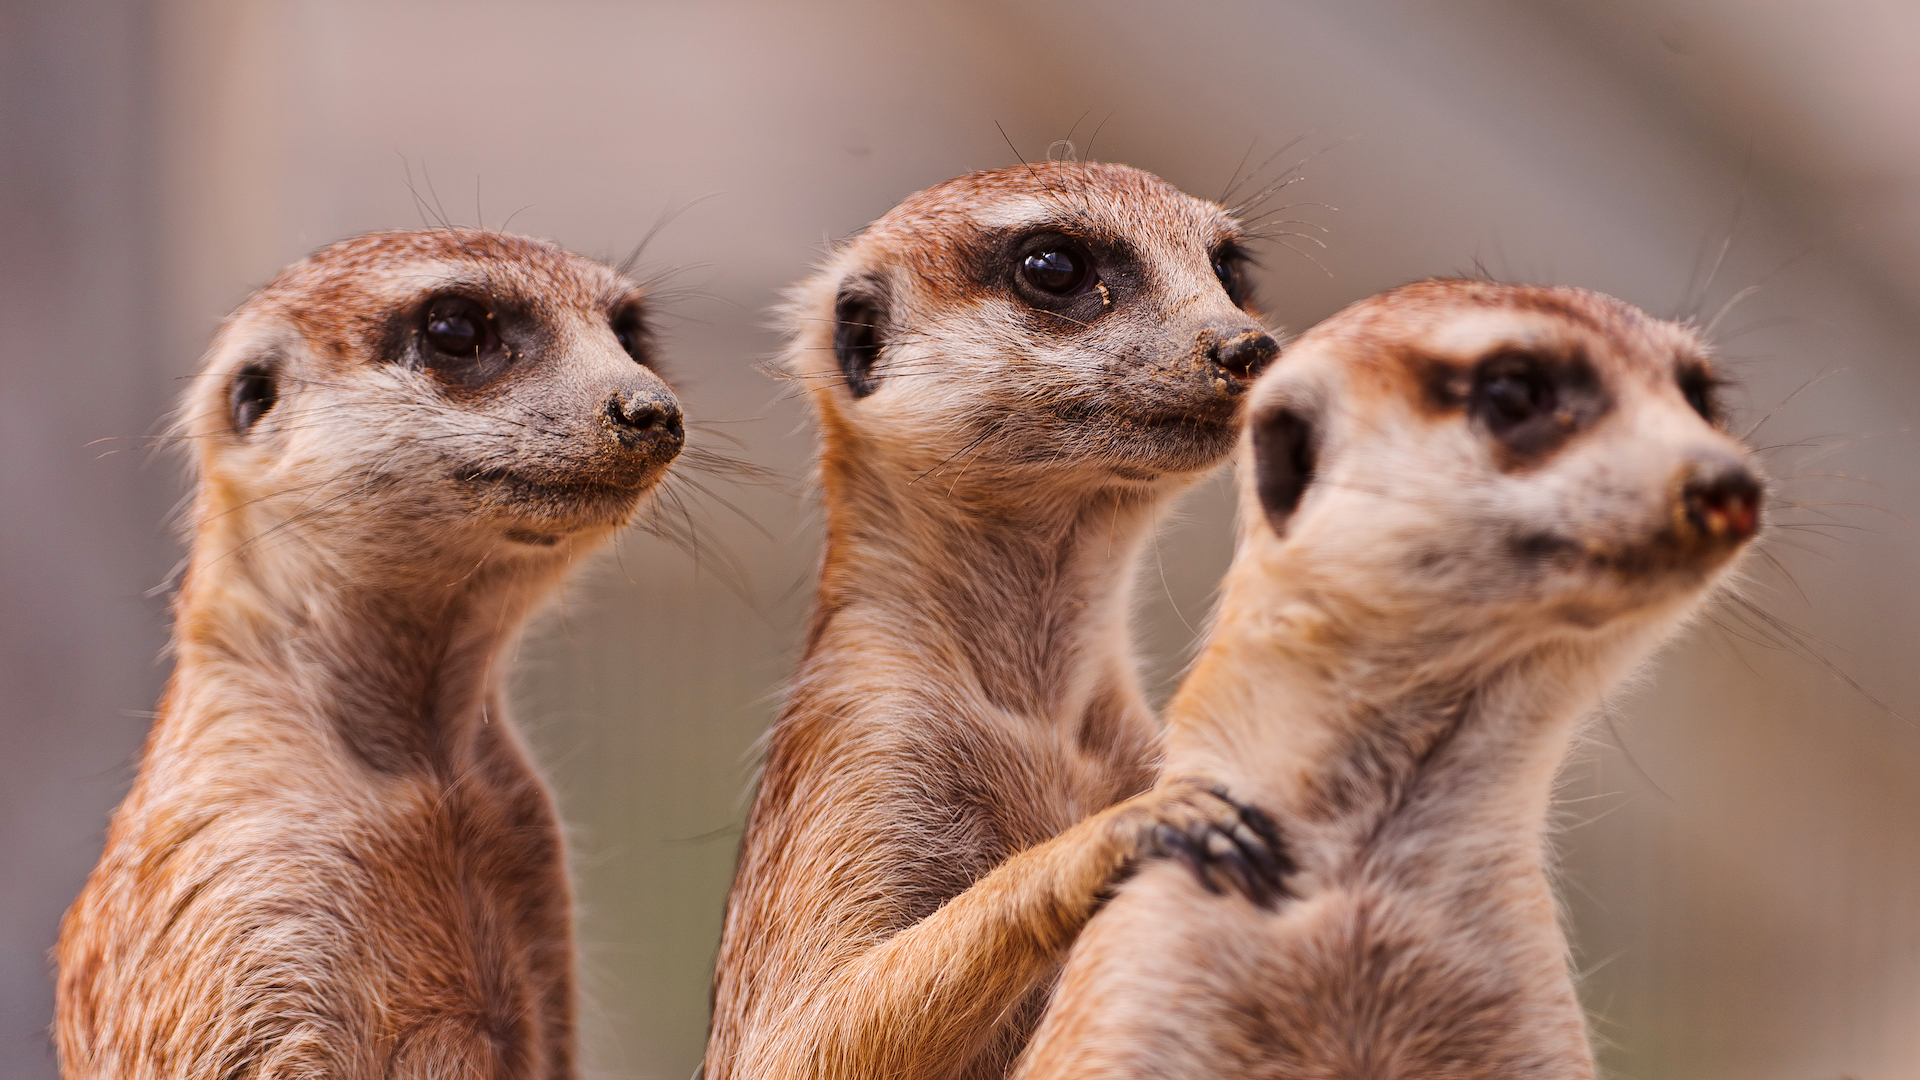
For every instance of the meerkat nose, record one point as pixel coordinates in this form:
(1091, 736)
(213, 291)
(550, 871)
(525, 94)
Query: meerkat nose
(1244, 355)
(644, 415)
(1722, 500)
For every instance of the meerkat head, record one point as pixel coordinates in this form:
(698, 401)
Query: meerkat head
(1063, 321)
(433, 386)
(1465, 458)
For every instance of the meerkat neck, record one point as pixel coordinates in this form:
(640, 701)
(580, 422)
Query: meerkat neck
(1025, 599)
(1341, 729)
(398, 663)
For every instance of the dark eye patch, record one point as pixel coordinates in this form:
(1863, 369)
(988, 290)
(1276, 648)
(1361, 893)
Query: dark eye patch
(1230, 266)
(1064, 269)
(1531, 402)
(465, 341)
(1512, 392)
(1068, 276)
(459, 328)
(1053, 271)
(1701, 387)
(630, 327)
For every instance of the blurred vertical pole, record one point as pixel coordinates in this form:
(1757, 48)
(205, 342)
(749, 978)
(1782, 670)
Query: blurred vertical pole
(79, 638)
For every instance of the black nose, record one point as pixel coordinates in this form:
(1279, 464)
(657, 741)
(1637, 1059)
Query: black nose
(645, 416)
(1722, 501)
(1244, 355)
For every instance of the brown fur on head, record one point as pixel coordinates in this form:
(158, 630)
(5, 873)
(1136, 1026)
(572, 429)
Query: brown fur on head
(1059, 324)
(337, 859)
(1468, 510)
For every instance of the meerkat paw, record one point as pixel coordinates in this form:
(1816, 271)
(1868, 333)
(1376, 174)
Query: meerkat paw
(1228, 845)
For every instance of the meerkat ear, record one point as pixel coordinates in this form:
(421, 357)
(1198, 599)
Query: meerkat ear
(859, 325)
(252, 391)
(1283, 461)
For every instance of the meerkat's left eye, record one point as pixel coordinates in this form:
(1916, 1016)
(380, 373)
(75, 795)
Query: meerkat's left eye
(459, 328)
(1511, 389)
(1065, 270)
(1698, 385)
(630, 326)
(1228, 266)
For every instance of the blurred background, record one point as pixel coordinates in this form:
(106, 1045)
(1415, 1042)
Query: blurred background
(1742, 841)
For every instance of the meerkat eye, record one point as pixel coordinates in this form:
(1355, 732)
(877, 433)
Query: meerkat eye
(1061, 271)
(457, 327)
(1228, 262)
(630, 326)
(1511, 389)
(1698, 385)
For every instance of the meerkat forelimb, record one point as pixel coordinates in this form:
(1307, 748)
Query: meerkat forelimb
(337, 859)
(1468, 511)
(1011, 371)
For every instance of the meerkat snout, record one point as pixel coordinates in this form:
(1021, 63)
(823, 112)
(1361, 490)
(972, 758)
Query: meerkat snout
(1244, 355)
(645, 417)
(1721, 498)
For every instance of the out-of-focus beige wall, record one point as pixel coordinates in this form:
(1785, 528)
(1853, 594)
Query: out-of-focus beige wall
(1742, 863)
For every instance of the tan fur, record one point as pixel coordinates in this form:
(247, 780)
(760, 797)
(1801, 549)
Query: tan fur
(337, 860)
(1397, 670)
(937, 812)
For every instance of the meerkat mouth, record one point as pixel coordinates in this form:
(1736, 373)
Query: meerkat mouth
(1656, 555)
(1211, 415)
(1164, 442)
(553, 509)
(505, 478)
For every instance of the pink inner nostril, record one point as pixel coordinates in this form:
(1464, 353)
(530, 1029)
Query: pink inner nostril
(1726, 510)
(1740, 515)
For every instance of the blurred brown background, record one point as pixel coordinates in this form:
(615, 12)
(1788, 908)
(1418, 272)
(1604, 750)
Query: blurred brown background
(1743, 841)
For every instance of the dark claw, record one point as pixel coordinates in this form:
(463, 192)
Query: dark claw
(1243, 852)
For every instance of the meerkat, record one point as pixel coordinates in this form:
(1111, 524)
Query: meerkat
(1468, 511)
(337, 859)
(1011, 371)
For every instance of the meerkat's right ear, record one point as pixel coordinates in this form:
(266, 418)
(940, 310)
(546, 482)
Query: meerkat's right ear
(253, 389)
(859, 329)
(1283, 461)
